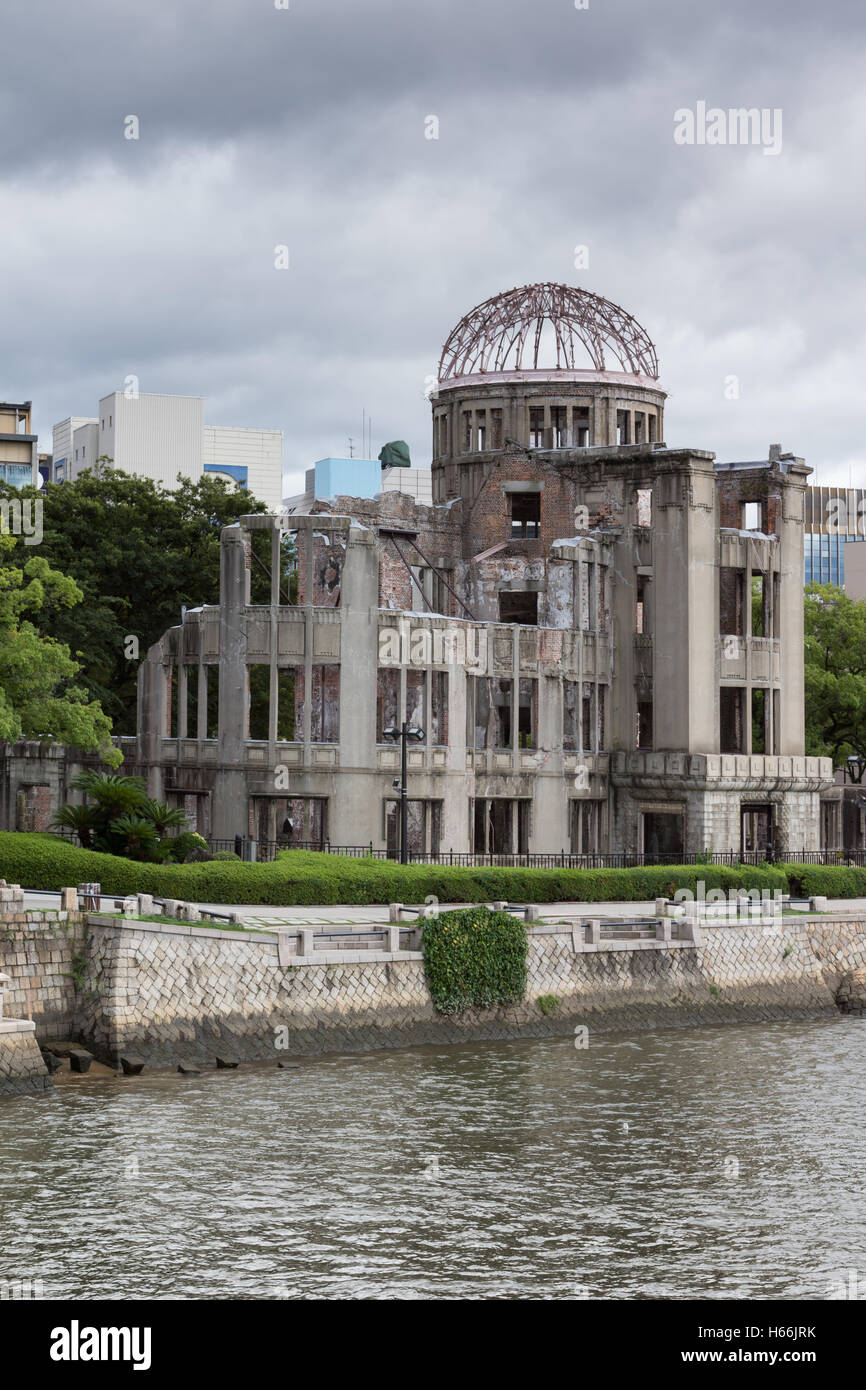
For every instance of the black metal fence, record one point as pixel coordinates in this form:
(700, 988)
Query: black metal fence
(266, 850)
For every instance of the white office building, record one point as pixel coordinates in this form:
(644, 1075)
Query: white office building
(164, 438)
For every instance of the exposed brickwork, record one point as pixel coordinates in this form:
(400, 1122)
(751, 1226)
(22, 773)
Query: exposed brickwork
(753, 486)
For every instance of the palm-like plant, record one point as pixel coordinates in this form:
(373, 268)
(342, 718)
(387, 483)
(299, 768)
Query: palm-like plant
(140, 837)
(111, 792)
(81, 819)
(161, 816)
(120, 818)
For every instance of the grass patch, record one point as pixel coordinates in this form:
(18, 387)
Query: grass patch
(176, 922)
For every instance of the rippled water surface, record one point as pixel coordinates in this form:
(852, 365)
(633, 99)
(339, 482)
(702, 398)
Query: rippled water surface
(714, 1162)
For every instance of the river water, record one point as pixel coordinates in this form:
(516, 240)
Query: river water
(681, 1163)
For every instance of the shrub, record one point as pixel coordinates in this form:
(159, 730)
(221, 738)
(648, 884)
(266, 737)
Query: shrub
(473, 956)
(548, 1004)
(226, 854)
(306, 877)
(825, 881)
(180, 848)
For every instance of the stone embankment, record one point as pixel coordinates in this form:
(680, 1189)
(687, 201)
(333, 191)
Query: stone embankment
(172, 994)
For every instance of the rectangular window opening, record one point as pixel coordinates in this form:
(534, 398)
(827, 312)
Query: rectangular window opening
(645, 724)
(642, 626)
(324, 704)
(525, 515)
(286, 704)
(751, 516)
(759, 605)
(663, 836)
(759, 717)
(258, 683)
(526, 713)
(731, 601)
(518, 608)
(480, 430)
(731, 732)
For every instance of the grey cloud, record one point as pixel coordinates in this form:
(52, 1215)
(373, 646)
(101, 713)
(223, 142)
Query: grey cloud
(262, 127)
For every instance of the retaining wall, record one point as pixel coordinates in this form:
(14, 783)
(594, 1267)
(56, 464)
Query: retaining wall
(186, 994)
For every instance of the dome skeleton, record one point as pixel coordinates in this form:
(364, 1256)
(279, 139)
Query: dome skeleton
(492, 336)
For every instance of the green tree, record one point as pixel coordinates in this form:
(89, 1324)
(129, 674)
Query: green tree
(138, 554)
(41, 696)
(835, 628)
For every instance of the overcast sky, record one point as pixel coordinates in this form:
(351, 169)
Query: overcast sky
(306, 127)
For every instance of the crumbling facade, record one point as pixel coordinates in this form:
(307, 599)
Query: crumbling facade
(599, 639)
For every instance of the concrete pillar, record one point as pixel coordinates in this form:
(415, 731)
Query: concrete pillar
(151, 718)
(789, 525)
(276, 538)
(686, 609)
(230, 809)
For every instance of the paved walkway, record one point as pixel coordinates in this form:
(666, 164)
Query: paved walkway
(329, 918)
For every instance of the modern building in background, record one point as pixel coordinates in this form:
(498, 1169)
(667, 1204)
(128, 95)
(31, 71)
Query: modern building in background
(597, 640)
(356, 477)
(165, 437)
(19, 449)
(834, 532)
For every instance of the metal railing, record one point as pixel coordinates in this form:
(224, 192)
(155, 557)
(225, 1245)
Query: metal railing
(267, 850)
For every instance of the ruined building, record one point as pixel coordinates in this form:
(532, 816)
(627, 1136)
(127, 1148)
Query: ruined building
(598, 638)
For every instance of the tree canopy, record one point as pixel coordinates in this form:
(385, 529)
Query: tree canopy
(41, 696)
(835, 628)
(137, 554)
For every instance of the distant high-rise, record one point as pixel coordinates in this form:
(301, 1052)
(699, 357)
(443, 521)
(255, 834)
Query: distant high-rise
(164, 438)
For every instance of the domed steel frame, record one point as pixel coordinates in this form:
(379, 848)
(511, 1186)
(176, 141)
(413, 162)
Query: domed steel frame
(493, 336)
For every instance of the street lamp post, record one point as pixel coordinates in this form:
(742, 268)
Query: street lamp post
(404, 733)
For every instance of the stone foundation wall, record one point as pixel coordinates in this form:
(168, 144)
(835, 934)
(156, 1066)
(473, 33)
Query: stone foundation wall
(185, 995)
(43, 952)
(188, 994)
(22, 1069)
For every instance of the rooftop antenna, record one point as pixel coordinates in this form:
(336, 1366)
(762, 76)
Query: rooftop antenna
(351, 447)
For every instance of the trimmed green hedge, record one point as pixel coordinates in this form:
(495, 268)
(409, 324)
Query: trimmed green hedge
(301, 876)
(825, 881)
(474, 957)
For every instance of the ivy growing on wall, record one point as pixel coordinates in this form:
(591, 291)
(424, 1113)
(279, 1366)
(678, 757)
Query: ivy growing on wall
(474, 957)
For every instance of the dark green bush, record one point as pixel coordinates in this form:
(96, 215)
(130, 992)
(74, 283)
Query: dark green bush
(474, 957)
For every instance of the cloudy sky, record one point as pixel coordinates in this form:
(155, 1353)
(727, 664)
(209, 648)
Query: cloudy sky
(305, 127)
